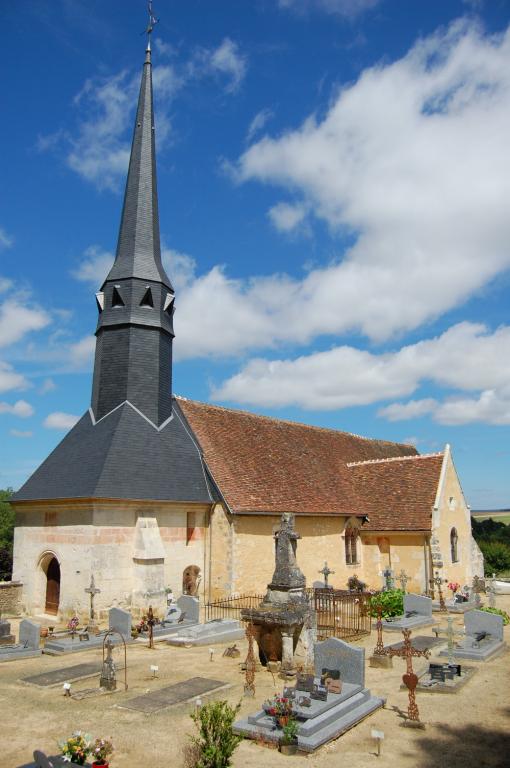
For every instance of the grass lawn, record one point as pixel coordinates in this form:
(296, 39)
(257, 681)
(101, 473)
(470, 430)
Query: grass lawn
(497, 518)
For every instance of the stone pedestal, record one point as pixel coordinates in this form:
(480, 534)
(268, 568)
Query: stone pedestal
(380, 662)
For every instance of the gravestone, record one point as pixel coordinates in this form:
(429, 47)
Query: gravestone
(5, 633)
(336, 654)
(29, 634)
(120, 620)
(483, 637)
(184, 613)
(417, 613)
(323, 712)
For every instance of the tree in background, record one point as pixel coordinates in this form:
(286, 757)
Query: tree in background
(6, 534)
(493, 538)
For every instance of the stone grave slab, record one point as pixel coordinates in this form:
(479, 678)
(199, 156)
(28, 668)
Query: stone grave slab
(179, 693)
(5, 633)
(118, 619)
(426, 683)
(328, 718)
(417, 613)
(63, 675)
(28, 645)
(421, 643)
(215, 631)
(483, 637)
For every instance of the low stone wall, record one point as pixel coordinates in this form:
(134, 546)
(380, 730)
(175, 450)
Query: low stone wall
(10, 598)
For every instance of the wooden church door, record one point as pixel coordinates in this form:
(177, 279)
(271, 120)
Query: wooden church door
(52, 586)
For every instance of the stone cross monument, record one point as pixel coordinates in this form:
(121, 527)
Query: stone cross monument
(92, 590)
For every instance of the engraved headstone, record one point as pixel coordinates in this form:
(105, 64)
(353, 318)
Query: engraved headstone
(5, 632)
(417, 604)
(334, 654)
(29, 633)
(190, 606)
(120, 621)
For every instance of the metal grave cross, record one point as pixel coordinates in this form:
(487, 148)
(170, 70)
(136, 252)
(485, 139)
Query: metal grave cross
(379, 647)
(250, 664)
(388, 577)
(450, 633)
(151, 621)
(410, 679)
(403, 578)
(326, 572)
(92, 590)
(491, 591)
(438, 581)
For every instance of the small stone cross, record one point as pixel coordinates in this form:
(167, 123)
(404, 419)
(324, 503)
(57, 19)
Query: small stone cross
(92, 590)
(403, 578)
(410, 679)
(438, 581)
(477, 589)
(108, 678)
(491, 591)
(388, 577)
(326, 572)
(450, 633)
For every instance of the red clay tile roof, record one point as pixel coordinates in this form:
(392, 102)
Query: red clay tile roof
(398, 494)
(268, 465)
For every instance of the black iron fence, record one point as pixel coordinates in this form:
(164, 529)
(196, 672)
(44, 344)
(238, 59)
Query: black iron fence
(340, 613)
(230, 607)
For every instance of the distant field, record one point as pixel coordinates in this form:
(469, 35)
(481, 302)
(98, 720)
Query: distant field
(500, 518)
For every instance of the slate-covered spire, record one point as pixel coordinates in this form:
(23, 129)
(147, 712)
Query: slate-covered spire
(135, 328)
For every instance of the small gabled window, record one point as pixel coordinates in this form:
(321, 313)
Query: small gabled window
(147, 300)
(168, 306)
(117, 298)
(100, 301)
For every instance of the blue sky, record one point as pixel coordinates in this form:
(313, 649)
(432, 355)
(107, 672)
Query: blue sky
(334, 184)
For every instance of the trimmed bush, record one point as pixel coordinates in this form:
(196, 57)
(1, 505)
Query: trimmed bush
(496, 556)
(392, 603)
(216, 743)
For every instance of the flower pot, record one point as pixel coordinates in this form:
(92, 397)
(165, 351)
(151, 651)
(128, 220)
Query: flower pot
(289, 749)
(44, 632)
(282, 721)
(100, 765)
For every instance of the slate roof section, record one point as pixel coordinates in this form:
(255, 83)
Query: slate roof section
(138, 248)
(123, 457)
(399, 493)
(268, 465)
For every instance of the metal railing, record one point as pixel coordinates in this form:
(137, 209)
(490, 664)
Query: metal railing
(230, 607)
(340, 613)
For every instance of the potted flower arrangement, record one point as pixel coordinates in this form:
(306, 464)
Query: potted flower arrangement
(454, 587)
(280, 708)
(100, 751)
(72, 625)
(289, 742)
(76, 748)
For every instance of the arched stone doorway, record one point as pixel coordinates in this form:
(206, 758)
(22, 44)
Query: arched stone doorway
(52, 586)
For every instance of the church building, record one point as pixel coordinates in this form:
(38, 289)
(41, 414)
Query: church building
(147, 484)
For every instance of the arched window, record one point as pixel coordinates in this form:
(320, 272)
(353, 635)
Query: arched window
(351, 545)
(453, 545)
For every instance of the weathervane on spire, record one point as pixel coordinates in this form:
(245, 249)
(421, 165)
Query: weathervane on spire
(152, 21)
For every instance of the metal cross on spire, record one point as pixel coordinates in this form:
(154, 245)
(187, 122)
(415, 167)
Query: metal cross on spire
(151, 23)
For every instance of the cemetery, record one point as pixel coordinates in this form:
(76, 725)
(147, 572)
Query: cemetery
(166, 609)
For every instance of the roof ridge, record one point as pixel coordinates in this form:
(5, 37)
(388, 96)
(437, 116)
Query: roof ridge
(292, 423)
(395, 458)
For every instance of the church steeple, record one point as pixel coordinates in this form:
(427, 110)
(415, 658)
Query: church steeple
(136, 302)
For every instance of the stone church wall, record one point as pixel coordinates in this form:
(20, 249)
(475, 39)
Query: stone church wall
(135, 550)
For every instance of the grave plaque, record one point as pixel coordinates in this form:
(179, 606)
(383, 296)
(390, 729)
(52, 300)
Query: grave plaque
(120, 621)
(190, 606)
(304, 682)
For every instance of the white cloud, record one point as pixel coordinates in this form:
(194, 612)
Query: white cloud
(5, 240)
(20, 408)
(346, 8)
(258, 123)
(285, 217)
(80, 354)
(179, 266)
(17, 319)
(466, 357)
(9, 379)
(398, 161)
(227, 60)
(60, 420)
(48, 385)
(5, 284)
(95, 266)
(21, 433)
(410, 410)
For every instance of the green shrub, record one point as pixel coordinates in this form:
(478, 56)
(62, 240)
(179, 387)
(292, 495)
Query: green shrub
(216, 743)
(496, 556)
(392, 603)
(290, 731)
(498, 612)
